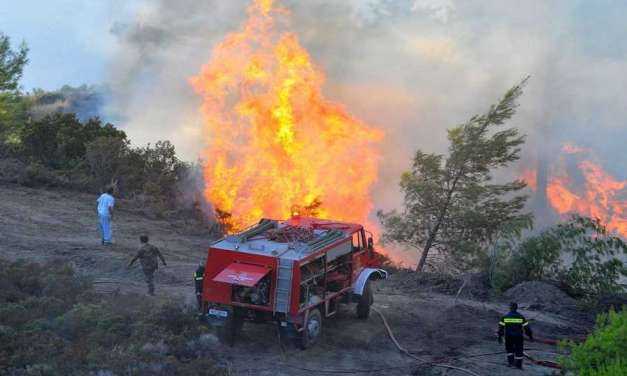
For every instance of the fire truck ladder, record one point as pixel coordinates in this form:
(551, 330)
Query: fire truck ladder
(284, 285)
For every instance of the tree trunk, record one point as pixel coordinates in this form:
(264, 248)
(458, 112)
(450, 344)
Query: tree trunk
(434, 232)
(425, 253)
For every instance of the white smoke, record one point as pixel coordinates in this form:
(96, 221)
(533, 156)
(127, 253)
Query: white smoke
(411, 67)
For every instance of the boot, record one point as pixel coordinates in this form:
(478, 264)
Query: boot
(510, 360)
(519, 363)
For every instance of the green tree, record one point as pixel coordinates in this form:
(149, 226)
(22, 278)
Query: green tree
(13, 109)
(107, 158)
(11, 64)
(161, 169)
(59, 140)
(451, 202)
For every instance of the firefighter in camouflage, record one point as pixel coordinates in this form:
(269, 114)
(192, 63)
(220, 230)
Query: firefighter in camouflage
(512, 327)
(147, 256)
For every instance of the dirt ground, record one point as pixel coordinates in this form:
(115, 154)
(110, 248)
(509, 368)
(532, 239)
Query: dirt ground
(39, 225)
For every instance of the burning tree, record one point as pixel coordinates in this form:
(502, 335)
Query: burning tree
(451, 203)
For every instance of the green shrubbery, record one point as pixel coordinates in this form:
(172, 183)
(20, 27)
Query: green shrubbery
(604, 352)
(579, 255)
(53, 323)
(42, 146)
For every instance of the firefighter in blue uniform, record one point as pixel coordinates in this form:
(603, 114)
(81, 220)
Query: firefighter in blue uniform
(512, 327)
(198, 279)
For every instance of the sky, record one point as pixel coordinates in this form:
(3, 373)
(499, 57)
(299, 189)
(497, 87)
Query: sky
(70, 41)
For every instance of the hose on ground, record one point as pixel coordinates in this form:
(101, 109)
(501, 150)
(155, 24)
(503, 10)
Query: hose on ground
(407, 353)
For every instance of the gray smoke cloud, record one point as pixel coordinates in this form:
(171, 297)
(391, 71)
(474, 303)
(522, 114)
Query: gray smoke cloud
(411, 67)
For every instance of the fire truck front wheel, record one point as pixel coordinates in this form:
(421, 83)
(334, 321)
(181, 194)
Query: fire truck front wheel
(365, 301)
(312, 330)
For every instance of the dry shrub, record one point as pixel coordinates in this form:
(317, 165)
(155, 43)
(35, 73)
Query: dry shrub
(53, 323)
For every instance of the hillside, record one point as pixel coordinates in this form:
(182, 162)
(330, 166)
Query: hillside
(40, 225)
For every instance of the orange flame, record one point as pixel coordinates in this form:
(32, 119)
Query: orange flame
(570, 148)
(600, 197)
(529, 176)
(274, 142)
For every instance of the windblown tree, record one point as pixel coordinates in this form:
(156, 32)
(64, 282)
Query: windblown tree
(451, 203)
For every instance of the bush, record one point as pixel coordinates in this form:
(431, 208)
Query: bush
(11, 169)
(151, 171)
(61, 151)
(579, 254)
(52, 323)
(603, 353)
(37, 175)
(107, 157)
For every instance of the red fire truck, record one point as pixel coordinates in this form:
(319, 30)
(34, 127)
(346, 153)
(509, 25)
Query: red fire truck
(292, 272)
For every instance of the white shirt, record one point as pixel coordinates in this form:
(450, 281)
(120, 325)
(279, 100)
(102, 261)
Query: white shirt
(105, 201)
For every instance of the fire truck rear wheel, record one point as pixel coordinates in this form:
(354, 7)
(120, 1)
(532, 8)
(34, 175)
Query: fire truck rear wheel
(312, 329)
(365, 301)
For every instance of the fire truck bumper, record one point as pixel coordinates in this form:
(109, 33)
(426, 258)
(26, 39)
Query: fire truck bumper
(217, 316)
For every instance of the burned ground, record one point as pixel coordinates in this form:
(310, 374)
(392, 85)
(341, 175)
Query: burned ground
(427, 318)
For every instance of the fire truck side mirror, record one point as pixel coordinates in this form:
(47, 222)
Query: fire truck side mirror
(370, 243)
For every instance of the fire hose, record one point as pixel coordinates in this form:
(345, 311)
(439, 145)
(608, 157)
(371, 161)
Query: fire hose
(401, 349)
(543, 363)
(407, 353)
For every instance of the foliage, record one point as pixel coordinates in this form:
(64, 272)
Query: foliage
(603, 352)
(37, 175)
(11, 64)
(52, 322)
(153, 171)
(496, 263)
(579, 254)
(595, 269)
(12, 106)
(451, 203)
(59, 140)
(161, 169)
(107, 158)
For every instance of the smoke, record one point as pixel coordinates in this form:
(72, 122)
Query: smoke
(413, 68)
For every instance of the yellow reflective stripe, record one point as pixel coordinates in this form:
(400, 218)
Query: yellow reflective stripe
(501, 323)
(198, 278)
(526, 323)
(513, 321)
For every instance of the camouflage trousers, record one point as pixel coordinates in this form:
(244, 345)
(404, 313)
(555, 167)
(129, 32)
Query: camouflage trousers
(149, 274)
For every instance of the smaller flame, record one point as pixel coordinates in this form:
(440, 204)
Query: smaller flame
(530, 176)
(600, 197)
(570, 148)
(593, 193)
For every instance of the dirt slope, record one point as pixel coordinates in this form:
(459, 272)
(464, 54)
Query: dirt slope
(42, 224)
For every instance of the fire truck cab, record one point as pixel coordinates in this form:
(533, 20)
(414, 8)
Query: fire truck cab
(293, 273)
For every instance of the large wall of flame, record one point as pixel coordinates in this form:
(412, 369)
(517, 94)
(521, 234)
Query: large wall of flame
(274, 142)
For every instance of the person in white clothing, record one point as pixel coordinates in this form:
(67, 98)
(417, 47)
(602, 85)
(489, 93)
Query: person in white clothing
(105, 214)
